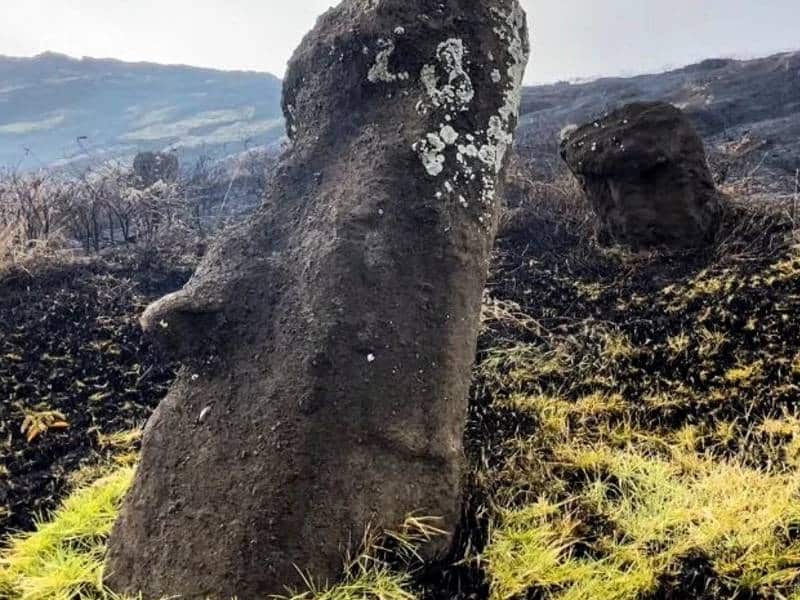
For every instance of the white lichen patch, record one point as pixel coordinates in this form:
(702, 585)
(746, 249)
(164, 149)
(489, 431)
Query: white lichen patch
(449, 135)
(431, 152)
(369, 5)
(488, 155)
(469, 150)
(500, 139)
(567, 131)
(380, 70)
(470, 179)
(447, 86)
(510, 30)
(292, 118)
(457, 91)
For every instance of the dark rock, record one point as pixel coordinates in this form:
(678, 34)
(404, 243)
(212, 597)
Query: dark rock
(343, 317)
(645, 173)
(150, 167)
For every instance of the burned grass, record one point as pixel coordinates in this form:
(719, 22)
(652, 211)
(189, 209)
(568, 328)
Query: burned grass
(74, 372)
(633, 431)
(634, 422)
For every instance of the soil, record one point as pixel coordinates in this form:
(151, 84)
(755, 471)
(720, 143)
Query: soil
(70, 342)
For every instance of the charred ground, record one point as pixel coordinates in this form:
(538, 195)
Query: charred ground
(72, 352)
(596, 369)
(633, 425)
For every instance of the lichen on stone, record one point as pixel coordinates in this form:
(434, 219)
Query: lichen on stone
(457, 91)
(449, 135)
(510, 30)
(430, 150)
(292, 120)
(499, 132)
(479, 153)
(380, 70)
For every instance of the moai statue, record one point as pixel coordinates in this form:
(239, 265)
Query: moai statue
(342, 318)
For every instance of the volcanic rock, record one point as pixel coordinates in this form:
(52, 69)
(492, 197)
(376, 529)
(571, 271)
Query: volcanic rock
(645, 173)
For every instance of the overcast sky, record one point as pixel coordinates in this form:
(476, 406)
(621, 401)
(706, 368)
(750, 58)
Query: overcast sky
(572, 38)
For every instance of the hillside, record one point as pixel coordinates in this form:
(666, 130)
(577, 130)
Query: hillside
(633, 428)
(66, 110)
(748, 111)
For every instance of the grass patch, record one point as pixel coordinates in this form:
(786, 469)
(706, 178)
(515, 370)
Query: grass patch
(63, 558)
(369, 584)
(656, 512)
(659, 454)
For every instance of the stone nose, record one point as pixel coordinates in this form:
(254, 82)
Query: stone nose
(183, 325)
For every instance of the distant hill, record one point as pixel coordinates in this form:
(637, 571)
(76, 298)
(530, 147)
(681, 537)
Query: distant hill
(748, 111)
(57, 109)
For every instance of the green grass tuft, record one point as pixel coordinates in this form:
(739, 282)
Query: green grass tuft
(63, 558)
(369, 584)
(658, 512)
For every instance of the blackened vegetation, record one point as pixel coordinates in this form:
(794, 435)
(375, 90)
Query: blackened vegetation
(716, 331)
(743, 288)
(696, 579)
(70, 343)
(713, 332)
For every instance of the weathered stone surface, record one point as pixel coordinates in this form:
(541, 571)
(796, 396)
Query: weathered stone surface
(149, 167)
(343, 317)
(645, 173)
